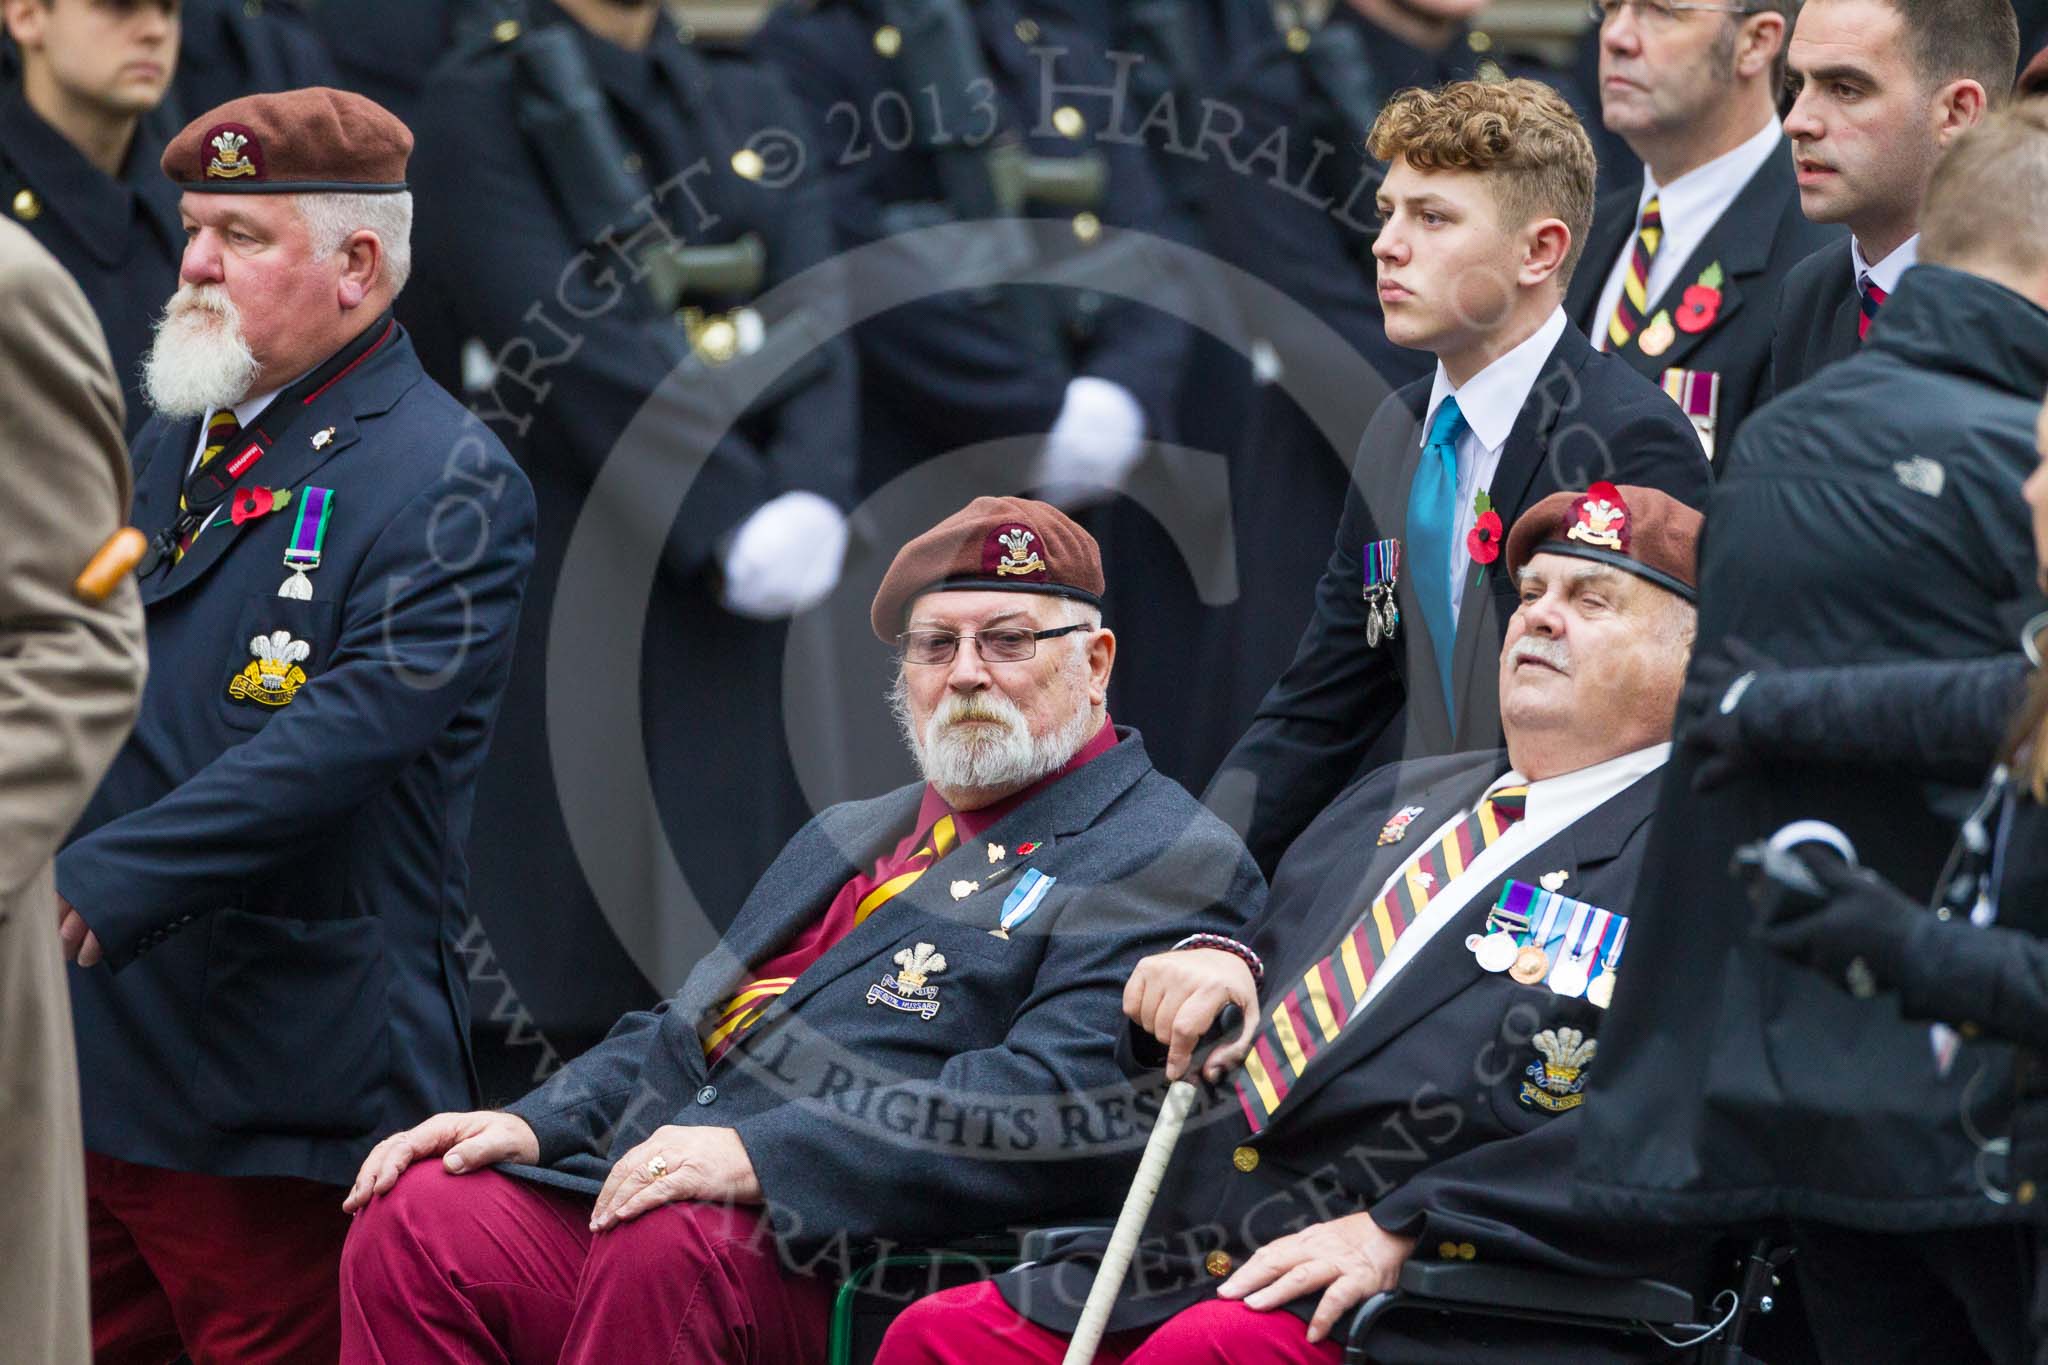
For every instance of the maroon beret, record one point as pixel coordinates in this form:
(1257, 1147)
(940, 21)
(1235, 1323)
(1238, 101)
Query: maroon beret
(1646, 532)
(296, 142)
(1004, 544)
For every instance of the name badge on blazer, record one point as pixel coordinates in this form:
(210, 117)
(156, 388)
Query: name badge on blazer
(1698, 395)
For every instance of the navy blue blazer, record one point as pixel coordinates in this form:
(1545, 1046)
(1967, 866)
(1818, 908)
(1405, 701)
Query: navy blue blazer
(1344, 706)
(278, 888)
(1415, 1112)
(1007, 1102)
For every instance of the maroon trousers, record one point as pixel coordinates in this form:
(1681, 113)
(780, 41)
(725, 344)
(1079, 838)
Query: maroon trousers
(974, 1326)
(484, 1268)
(229, 1270)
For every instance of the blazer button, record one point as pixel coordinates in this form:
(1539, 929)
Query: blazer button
(2026, 1193)
(707, 1094)
(1246, 1159)
(1447, 1251)
(1467, 1252)
(1217, 1263)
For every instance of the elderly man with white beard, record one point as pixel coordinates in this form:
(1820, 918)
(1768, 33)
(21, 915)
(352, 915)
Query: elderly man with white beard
(909, 1035)
(264, 897)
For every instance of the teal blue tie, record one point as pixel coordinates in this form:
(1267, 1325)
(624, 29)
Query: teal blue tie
(1432, 521)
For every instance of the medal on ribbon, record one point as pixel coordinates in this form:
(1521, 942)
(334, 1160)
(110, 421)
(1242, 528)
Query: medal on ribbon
(309, 535)
(1382, 572)
(1022, 902)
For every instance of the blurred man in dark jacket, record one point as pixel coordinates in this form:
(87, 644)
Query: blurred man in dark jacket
(1885, 501)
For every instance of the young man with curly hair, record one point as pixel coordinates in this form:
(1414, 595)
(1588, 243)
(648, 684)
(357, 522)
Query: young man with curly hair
(1486, 202)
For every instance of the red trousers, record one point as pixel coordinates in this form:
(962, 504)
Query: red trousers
(484, 1268)
(229, 1270)
(973, 1326)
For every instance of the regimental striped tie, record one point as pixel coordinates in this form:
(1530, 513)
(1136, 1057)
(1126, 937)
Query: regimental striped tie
(1310, 1016)
(221, 431)
(1873, 299)
(1633, 306)
(738, 1014)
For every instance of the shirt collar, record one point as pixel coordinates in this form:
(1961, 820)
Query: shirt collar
(1493, 399)
(1585, 787)
(1885, 274)
(1704, 192)
(968, 824)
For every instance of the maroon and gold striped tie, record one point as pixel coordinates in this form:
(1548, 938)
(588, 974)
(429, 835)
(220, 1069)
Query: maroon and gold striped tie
(1633, 306)
(221, 431)
(1310, 1016)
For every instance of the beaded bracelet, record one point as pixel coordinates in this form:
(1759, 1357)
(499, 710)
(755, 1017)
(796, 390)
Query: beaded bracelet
(1226, 945)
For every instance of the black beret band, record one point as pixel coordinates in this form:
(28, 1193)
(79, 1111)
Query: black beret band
(1618, 561)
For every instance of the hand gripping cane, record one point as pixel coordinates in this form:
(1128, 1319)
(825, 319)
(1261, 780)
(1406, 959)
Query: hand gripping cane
(1109, 1277)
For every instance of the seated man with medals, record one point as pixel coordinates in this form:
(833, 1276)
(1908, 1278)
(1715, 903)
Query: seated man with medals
(1422, 1000)
(909, 1034)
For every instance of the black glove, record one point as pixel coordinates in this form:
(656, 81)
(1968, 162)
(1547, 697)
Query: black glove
(1847, 923)
(1711, 700)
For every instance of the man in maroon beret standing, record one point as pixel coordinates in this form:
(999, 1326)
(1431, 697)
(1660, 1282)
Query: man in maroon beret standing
(909, 1034)
(1440, 948)
(264, 897)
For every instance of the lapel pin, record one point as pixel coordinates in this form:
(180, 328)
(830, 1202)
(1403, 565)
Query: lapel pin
(1552, 881)
(963, 889)
(321, 438)
(1396, 829)
(995, 853)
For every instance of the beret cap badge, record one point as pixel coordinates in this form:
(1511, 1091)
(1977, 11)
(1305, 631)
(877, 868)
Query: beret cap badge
(1600, 517)
(235, 153)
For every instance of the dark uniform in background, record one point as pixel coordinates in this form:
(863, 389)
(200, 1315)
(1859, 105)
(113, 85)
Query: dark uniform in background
(119, 238)
(580, 348)
(956, 369)
(245, 47)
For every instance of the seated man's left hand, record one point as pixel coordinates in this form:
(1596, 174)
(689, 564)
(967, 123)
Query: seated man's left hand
(1350, 1259)
(707, 1164)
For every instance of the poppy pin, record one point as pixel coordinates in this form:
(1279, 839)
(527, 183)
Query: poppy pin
(1702, 301)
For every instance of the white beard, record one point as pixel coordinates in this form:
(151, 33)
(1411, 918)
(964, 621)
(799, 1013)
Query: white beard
(199, 360)
(957, 757)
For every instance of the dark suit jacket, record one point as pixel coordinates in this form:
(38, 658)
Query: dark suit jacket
(867, 1122)
(1414, 1113)
(1344, 704)
(1818, 311)
(1757, 241)
(279, 890)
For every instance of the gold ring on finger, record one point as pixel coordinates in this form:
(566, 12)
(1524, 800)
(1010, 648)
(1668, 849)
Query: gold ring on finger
(657, 1167)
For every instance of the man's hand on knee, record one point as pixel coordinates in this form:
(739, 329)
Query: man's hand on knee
(674, 1164)
(464, 1142)
(1350, 1259)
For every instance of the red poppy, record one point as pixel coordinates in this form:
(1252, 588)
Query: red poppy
(1482, 542)
(1699, 308)
(250, 503)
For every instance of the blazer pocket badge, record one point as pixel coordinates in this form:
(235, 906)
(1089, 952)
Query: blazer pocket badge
(1382, 575)
(1557, 1082)
(1698, 395)
(906, 989)
(273, 676)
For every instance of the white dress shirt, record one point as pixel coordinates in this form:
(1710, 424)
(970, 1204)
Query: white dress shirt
(1885, 274)
(1492, 401)
(1553, 804)
(1689, 206)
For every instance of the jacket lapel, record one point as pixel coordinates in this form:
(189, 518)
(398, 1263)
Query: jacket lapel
(1614, 225)
(1740, 242)
(1066, 807)
(1445, 967)
(381, 380)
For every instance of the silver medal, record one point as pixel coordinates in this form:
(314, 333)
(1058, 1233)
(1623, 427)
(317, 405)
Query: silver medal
(1496, 952)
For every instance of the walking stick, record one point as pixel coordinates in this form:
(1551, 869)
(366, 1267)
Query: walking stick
(1109, 1277)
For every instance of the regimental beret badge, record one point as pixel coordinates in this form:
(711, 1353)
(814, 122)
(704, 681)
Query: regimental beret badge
(1013, 552)
(1599, 517)
(236, 153)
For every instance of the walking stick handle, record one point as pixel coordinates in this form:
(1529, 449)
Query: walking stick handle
(1130, 1224)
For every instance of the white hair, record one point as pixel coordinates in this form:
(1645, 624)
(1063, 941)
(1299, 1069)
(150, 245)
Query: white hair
(333, 218)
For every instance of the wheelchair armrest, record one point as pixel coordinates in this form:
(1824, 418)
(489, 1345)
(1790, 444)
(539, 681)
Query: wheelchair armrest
(1039, 1244)
(1508, 1286)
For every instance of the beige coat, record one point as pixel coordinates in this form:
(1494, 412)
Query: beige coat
(71, 676)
